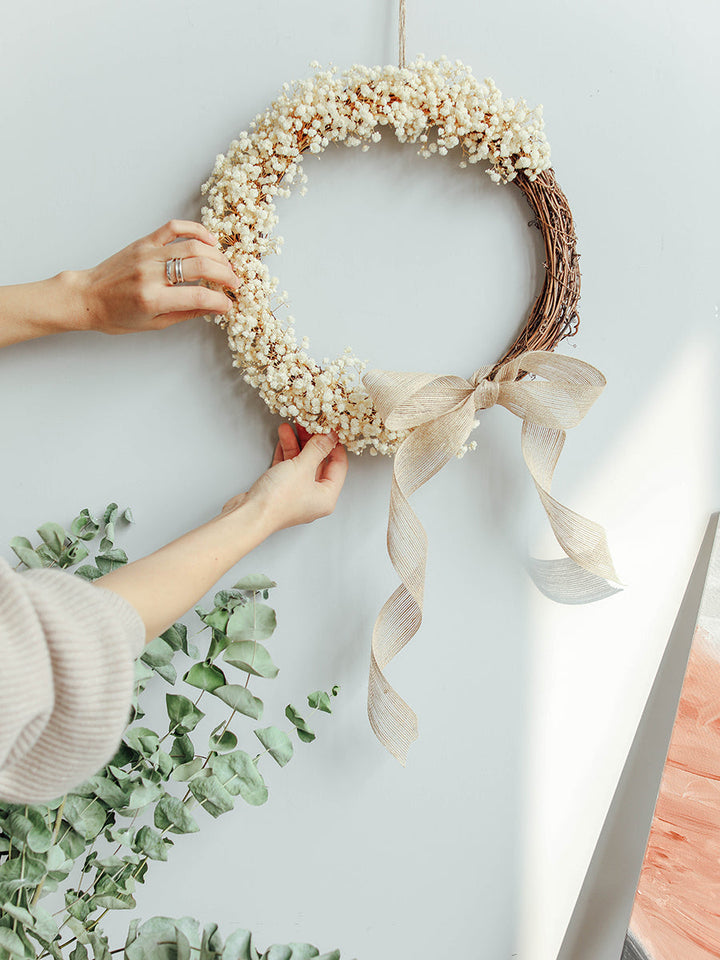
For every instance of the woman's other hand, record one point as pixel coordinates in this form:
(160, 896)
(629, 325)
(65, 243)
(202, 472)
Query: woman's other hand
(130, 291)
(303, 483)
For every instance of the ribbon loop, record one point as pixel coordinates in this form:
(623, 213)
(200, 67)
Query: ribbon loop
(438, 413)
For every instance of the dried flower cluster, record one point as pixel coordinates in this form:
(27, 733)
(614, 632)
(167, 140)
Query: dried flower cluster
(436, 104)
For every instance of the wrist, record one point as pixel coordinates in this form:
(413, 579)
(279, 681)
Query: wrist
(63, 303)
(244, 519)
(43, 307)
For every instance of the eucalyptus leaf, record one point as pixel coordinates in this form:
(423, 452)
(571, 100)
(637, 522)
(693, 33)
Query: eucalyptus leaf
(239, 946)
(320, 700)
(78, 907)
(303, 731)
(143, 740)
(223, 742)
(141, 794)
(23, 549)
(182, 748)
(157, 652)
(109, 791)
(252, 658)
(255, 582)
(114, 901)
(53, 536)
(18, 913)
(183, 714)
(111, 512)
(173, 813)
(218, 643)
(72, 843)
(11, 942)
(240, 699)
(168, 672)
(212, 795)
(88, 572)
(206, 676)
(43, 923)
(217, 619)
(79, 952)
(87, 817)
(253, 621)
(111, 560)
(277, 743)
(49, 558)
(84, 525)
(186, 770)
(239, 775)
(143, 671)
(74, 553)
(211, 943)
(152, 843)
(176, 637)
(39, 838)
(100, 945)
(78, 929)
(14, 875)
(165, 763)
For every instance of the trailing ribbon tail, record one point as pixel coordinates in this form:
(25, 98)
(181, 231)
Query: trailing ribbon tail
(438, 412)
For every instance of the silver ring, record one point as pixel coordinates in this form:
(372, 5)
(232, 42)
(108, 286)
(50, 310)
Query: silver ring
(174, 271)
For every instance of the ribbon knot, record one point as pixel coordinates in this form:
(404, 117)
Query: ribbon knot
(486, 394)
(438, 413)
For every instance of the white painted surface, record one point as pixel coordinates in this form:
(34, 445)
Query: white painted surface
(111, 120)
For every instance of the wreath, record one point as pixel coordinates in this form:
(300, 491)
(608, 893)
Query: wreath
(422, 419)
(438, 105)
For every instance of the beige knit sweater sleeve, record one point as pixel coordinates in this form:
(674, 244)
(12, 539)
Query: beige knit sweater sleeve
(67, 652)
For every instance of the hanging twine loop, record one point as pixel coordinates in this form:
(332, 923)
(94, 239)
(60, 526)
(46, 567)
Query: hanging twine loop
(401, 35)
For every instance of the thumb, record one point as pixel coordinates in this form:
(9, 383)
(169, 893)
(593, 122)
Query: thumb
(317, 448)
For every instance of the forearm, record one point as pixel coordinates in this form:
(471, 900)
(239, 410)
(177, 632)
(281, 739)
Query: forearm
(30, 310)
(167, 583)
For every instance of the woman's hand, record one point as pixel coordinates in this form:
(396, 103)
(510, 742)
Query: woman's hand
(130, 291)
(303, 483)
(126, 293)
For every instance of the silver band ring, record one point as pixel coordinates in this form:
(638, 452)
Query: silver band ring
(174, 271)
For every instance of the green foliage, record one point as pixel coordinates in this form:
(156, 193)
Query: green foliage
(301, 728)
(319, 700)
(41, 844)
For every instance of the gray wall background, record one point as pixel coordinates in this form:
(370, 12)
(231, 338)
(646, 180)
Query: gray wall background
(111, 120)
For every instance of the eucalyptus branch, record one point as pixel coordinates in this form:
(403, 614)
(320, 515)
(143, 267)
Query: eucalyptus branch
(44, 842)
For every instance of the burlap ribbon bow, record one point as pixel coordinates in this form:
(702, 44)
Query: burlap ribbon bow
(439, 412)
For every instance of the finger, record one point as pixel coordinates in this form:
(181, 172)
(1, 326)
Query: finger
(316, 449)
(194, 301)
(288, 441)
(203, 268)
(278, 455)
(303, 435)
(182, 228)
(190, 248)
(334, 467)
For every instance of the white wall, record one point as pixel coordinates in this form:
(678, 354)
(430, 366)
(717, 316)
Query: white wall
(112, 116)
